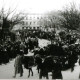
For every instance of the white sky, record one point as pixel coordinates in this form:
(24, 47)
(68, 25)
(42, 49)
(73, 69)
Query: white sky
(37, 6)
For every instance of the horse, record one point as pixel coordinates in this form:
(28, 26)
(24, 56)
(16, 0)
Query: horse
(38, 61)
(28, 62)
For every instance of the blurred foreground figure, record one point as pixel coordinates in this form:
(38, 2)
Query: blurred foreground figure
(56, 72)
(18, 65)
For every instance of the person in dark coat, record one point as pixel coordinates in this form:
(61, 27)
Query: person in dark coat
(5, 55)
(56, 72)
(43, 71)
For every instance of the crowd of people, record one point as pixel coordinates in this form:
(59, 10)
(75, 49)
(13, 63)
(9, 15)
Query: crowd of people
(61, 54)
(9, 50)
(40, 34)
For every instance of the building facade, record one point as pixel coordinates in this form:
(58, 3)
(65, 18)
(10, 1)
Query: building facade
(33, 21)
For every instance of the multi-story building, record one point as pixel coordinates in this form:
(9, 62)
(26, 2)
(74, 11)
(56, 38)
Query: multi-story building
(33, 21)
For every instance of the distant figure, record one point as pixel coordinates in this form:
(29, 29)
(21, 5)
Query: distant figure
(22, 46)
(18, 66)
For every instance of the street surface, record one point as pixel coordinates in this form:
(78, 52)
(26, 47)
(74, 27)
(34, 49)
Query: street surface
(7, 71)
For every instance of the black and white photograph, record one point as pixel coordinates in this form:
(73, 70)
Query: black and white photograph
(40, 39)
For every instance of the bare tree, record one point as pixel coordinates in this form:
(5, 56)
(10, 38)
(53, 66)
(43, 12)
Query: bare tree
(71, 17)
(55, 18)
(44, 22)
(52, 20)
(10, 18)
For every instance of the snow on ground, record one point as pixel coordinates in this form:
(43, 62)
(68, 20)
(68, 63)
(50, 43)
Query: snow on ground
(72, 75)
(7, 71)
(43, 42)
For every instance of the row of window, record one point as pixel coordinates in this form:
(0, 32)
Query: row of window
(31, 18)
(29, 23)
(31, 28)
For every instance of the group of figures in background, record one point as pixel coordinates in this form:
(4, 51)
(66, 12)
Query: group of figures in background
(60, 55)
(9, 50)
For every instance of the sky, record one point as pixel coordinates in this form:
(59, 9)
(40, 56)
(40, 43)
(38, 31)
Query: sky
(37, 6)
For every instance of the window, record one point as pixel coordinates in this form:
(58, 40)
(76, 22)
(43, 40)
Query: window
(22, 27)
(30, 27)
(30, 23)
(26, 23)
(37, 27)
(30, 18)
(37, 17)
(34, 22)
(33, 27)
(26, 27)
(23, 23)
